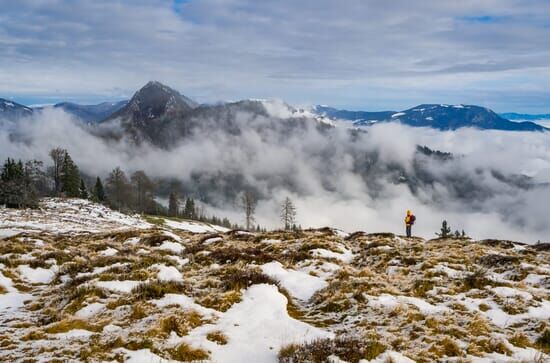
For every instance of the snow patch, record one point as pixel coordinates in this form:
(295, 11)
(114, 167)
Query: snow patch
(300, 284)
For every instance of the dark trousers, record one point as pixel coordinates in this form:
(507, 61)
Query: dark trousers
(408, 230)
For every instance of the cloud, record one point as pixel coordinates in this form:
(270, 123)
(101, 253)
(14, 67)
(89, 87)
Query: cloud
(354, 54)
(319, 172)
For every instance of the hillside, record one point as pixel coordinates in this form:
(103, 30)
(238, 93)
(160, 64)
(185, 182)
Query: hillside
(123, 289)
(91, 113)
(441, 117)
(13, 111)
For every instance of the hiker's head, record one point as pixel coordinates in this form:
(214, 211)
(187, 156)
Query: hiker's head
(409, 212)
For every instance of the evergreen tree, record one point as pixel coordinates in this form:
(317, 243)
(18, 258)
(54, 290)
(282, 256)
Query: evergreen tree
(288, 214)
(99, 192)
(173, 204)
(83, 190)
(17, 189)
(189, 210)
(445, 230)
(70, 177)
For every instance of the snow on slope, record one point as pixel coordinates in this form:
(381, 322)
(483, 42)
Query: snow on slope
(257, 327)
(67, 215)
(161, 294)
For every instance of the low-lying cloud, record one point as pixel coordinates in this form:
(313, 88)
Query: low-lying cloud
(319, 172)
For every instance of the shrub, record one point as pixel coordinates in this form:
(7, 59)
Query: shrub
(238, 279)
(543, 341)
(476, 279)
(157, 289)
(349, 349)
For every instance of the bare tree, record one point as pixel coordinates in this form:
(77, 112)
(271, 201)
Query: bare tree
(58, 156)
(249, 205)
(118, 189)
(143, 189)
(288, 214)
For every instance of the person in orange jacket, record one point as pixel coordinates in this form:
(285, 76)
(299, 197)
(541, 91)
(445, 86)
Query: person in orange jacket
(409, 221)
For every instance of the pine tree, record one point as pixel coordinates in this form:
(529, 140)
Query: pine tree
(190, 211)
(445, 230)
(288, 214)
(173, 204)
(99, 192)
(70, 177)
(17, 184)
(83, 190)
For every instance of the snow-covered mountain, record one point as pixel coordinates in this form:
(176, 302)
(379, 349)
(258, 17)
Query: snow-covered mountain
(442, 117)
(80, 282)
(162, 116)
(12, 111)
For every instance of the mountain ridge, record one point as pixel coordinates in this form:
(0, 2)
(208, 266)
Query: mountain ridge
(437, 116)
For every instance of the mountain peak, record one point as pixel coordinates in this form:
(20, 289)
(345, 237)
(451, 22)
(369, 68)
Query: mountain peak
(153, 101)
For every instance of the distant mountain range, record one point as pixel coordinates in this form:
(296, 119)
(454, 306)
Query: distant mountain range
(91, 113)
(442, 117)
(159, 114)
(12, 111)
(523, 117)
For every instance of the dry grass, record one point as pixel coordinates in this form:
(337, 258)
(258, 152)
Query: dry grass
(218, 337)
(71, 324)
(349, 349)
(186, 353)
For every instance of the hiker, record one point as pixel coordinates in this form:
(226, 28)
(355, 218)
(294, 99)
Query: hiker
(409, 221)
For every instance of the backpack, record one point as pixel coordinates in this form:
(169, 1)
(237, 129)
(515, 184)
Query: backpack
(412, 218)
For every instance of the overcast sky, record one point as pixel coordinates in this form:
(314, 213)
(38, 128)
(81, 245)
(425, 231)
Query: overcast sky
(356, 54)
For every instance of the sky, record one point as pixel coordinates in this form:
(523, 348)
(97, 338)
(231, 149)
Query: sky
(353, 54)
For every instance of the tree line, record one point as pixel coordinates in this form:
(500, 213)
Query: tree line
(23, 183)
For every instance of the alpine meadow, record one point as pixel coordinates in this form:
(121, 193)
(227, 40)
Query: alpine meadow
(314, 181)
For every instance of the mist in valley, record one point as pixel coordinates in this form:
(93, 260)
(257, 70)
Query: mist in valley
(338, 177)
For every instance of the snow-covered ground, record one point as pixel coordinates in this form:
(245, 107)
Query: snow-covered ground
(84, 283)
